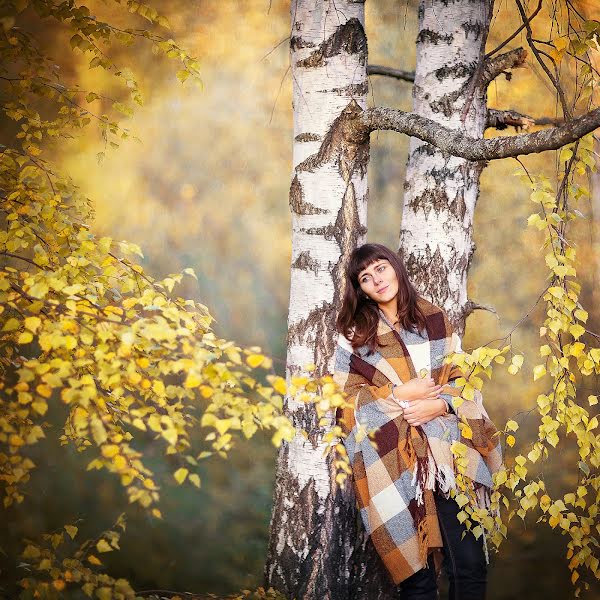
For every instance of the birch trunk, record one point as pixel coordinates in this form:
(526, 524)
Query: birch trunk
(441, 191)
(313, 530)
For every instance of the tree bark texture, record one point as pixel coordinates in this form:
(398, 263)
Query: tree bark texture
(441, 190)
(314, 532)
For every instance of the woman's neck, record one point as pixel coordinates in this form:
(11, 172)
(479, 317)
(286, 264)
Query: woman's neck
(390, 310)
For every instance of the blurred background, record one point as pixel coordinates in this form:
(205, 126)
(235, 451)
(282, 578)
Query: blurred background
(207, 187)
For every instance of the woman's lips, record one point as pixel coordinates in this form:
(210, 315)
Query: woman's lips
(383, 289)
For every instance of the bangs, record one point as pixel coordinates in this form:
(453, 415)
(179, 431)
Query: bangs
(365, 256)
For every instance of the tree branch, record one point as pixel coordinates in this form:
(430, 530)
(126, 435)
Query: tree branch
(536, 53)
(471, 307)
(502, 63)
(456, 143)
(389, 72)
(514, 35)
(501, 119)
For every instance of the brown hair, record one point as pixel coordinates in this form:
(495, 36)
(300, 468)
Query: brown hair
(359, 315)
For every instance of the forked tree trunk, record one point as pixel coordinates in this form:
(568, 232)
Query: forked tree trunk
(436, 236)
(314, 530)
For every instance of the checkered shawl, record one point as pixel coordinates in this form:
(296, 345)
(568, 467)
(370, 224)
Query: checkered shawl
(395, 478)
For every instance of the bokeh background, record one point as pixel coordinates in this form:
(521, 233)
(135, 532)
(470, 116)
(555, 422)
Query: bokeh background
(207, 187)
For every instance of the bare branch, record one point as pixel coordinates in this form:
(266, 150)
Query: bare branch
(501, 119)
(537, 54)
(389, 72)
(471, 307)
(456, 143)
(516, 33)
(501, 64)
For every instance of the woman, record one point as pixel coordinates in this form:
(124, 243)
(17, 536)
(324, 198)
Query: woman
(389, 361)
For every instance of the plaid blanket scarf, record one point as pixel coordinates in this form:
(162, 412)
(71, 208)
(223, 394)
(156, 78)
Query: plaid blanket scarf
(395, 478)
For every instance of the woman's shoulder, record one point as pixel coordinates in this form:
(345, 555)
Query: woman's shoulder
(436, 319)
(345, 343)
(429, 308)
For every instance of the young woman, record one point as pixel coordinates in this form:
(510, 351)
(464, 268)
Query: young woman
(390, 362)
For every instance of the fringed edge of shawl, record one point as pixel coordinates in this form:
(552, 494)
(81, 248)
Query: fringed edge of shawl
(428, 475)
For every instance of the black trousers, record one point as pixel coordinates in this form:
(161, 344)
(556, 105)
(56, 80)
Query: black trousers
(464, 562)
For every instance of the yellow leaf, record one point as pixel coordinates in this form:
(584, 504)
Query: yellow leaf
(206, 391)
(538, 371)
(517, 360)
(180, 475)
(40, 407)
(25, 337)
(593, 400)
(44, 390)
(137, 422)
(279, 385)
(461, 500)
(512, 425)
(110, 450)
(157, 513)
(170, 434)
(11, 325)
(71, 530)
(94, 560)
(32, 323)
(510, 440)
(195, 479)
(193, 380)
(467, 432)
(255, 360)
(103, 546)
(576, 331)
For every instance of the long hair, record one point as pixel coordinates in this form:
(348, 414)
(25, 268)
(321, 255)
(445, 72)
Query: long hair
(359, 315)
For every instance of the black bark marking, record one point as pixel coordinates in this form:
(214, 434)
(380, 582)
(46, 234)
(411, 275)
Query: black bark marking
(429, 272)
(423, 150)
(349, 37)
(445, 104)
(431, 199)
(351, 90)
(327, 231)
(298, 204)
(457, 71)
(296, 42)
(472, 27)
(434, 37)
(307, 137)
(305, 262)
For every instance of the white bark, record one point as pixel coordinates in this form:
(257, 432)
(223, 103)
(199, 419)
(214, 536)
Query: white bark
(313, 527)
(441, 191)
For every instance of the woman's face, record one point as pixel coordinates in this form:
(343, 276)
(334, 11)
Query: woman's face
(379, 281)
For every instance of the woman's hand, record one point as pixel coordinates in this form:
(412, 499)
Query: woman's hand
(422, 411)
(417, 389)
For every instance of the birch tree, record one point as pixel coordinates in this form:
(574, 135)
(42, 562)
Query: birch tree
(316, 550)
(311, 545)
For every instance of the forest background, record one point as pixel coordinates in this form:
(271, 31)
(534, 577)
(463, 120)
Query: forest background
(207, 188)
